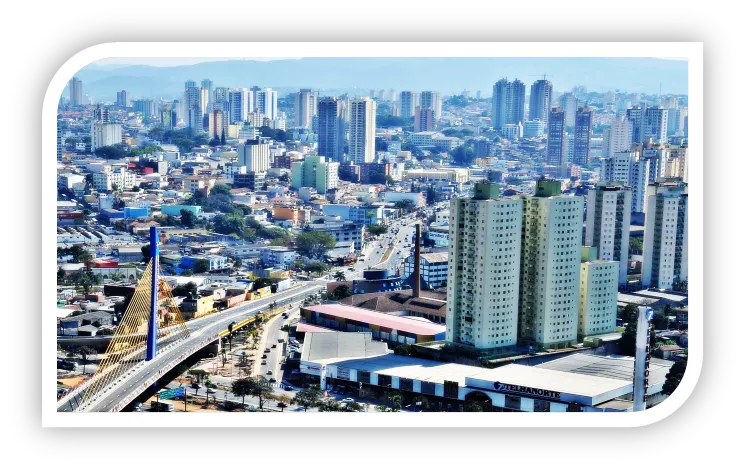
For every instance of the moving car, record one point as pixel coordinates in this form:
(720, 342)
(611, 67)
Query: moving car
(269, 373)
(267, 350)
(271, 380)
(274, 345)
(263, 362)
(348, 400)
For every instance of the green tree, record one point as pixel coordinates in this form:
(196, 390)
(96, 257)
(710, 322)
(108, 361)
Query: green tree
(84, 352)
(308, 397)
(405, 205)
(396, 399)
(635, 245)
(229, 224)
(146, 252)
(342, 291)
(260, 387)
(375, 229)
(340, 276)
(201, 266)
(473, 406)
(188, 219)
(389, 180)
(241, 387)
(462, 155)
(314, 244)
(627, 312)
(402, 350)
(627, 344)
(221, 189)
(674, 377)
(237, 262)
(222, 137)
(199, 375)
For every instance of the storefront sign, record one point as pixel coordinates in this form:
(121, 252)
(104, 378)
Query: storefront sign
(503, 387)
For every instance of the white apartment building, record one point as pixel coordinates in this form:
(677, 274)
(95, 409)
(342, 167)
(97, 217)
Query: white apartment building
(550, 271)
(104, 134)
(254, 156)
(443, 216)
(484, 269)
(512, 131)
(232, 169)
(306, 103)
(598, 297)
(362, 131)
(617, 138)
(607, 224)
(68, 180)
(105, 181)
(628, 168)
(665, 258)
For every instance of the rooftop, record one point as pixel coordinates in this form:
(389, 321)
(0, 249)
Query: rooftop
(399, 323)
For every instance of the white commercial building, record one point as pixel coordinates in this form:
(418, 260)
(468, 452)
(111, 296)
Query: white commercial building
(617, 138)
(105, 181)
(512, 131)
(608, 222)
(628, 168)
(665, 260)
(105, 134)
(362, 131)
(551, 257)
(254, 155)
(484, 269)
(598, 297)
(433, 268)
(68, 180)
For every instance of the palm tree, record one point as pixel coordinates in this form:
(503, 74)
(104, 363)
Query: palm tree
(340, 276)
(84, 352)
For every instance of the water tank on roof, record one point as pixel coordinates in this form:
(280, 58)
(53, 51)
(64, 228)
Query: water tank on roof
(377, 274)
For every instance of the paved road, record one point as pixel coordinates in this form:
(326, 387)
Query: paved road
(199, 329)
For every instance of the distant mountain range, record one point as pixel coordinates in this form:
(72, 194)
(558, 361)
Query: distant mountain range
(358, 76)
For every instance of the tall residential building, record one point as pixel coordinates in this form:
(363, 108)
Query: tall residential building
(608, 222)
(409, 102)
(76, 92)
(317, 172)
(629, 169)
(637, 117)
(484, 269)
(679, 154)
(306, 102)
(555, 143)
(665, 260)
(146, 107)
(217, 124)
(657, 154)
(362, 131)
(207, 85)
(59, 142)
(103, 132)
(617, 137)
(254, 155)
(655, 125)
(568, 102)
(331, 128)
(540, 100)
(598, 295)
(193, 105)
(240, 103)
(431, 100)
(220, 93)
(424, 119)
(265, 101)
(123, 99)
(550, 266)
(582, 134)
(508, 103)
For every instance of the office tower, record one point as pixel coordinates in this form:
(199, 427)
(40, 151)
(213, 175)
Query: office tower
(484, 269)
(123, 99)
(315, 171)
(76, 92)
(637, 117)
(630, 169)
(508, 103)
(240, 103)
(550, 265)
(362, 131)
(568, 102)
(598, 294)
(254, 155)
(306, 102)
(655, 124)
(207, 86)
(103, 132)
(409, 102)
(193, 105)
(266, 102)
(617, 137)
(582, 134)
(555, 143)
(607, 225)
(540, 100)
(221, 94)
(431, 100)
(331, 128)
(665, 261)
(424, 119)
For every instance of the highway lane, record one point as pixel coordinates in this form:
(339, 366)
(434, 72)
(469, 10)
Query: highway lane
(200, 329)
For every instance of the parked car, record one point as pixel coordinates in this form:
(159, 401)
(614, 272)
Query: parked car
(263, 356)
(267, 350)
(269, 373)
(274, 345)
(271, 380)
(348, 400)
(289, 388)
(263, 362)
